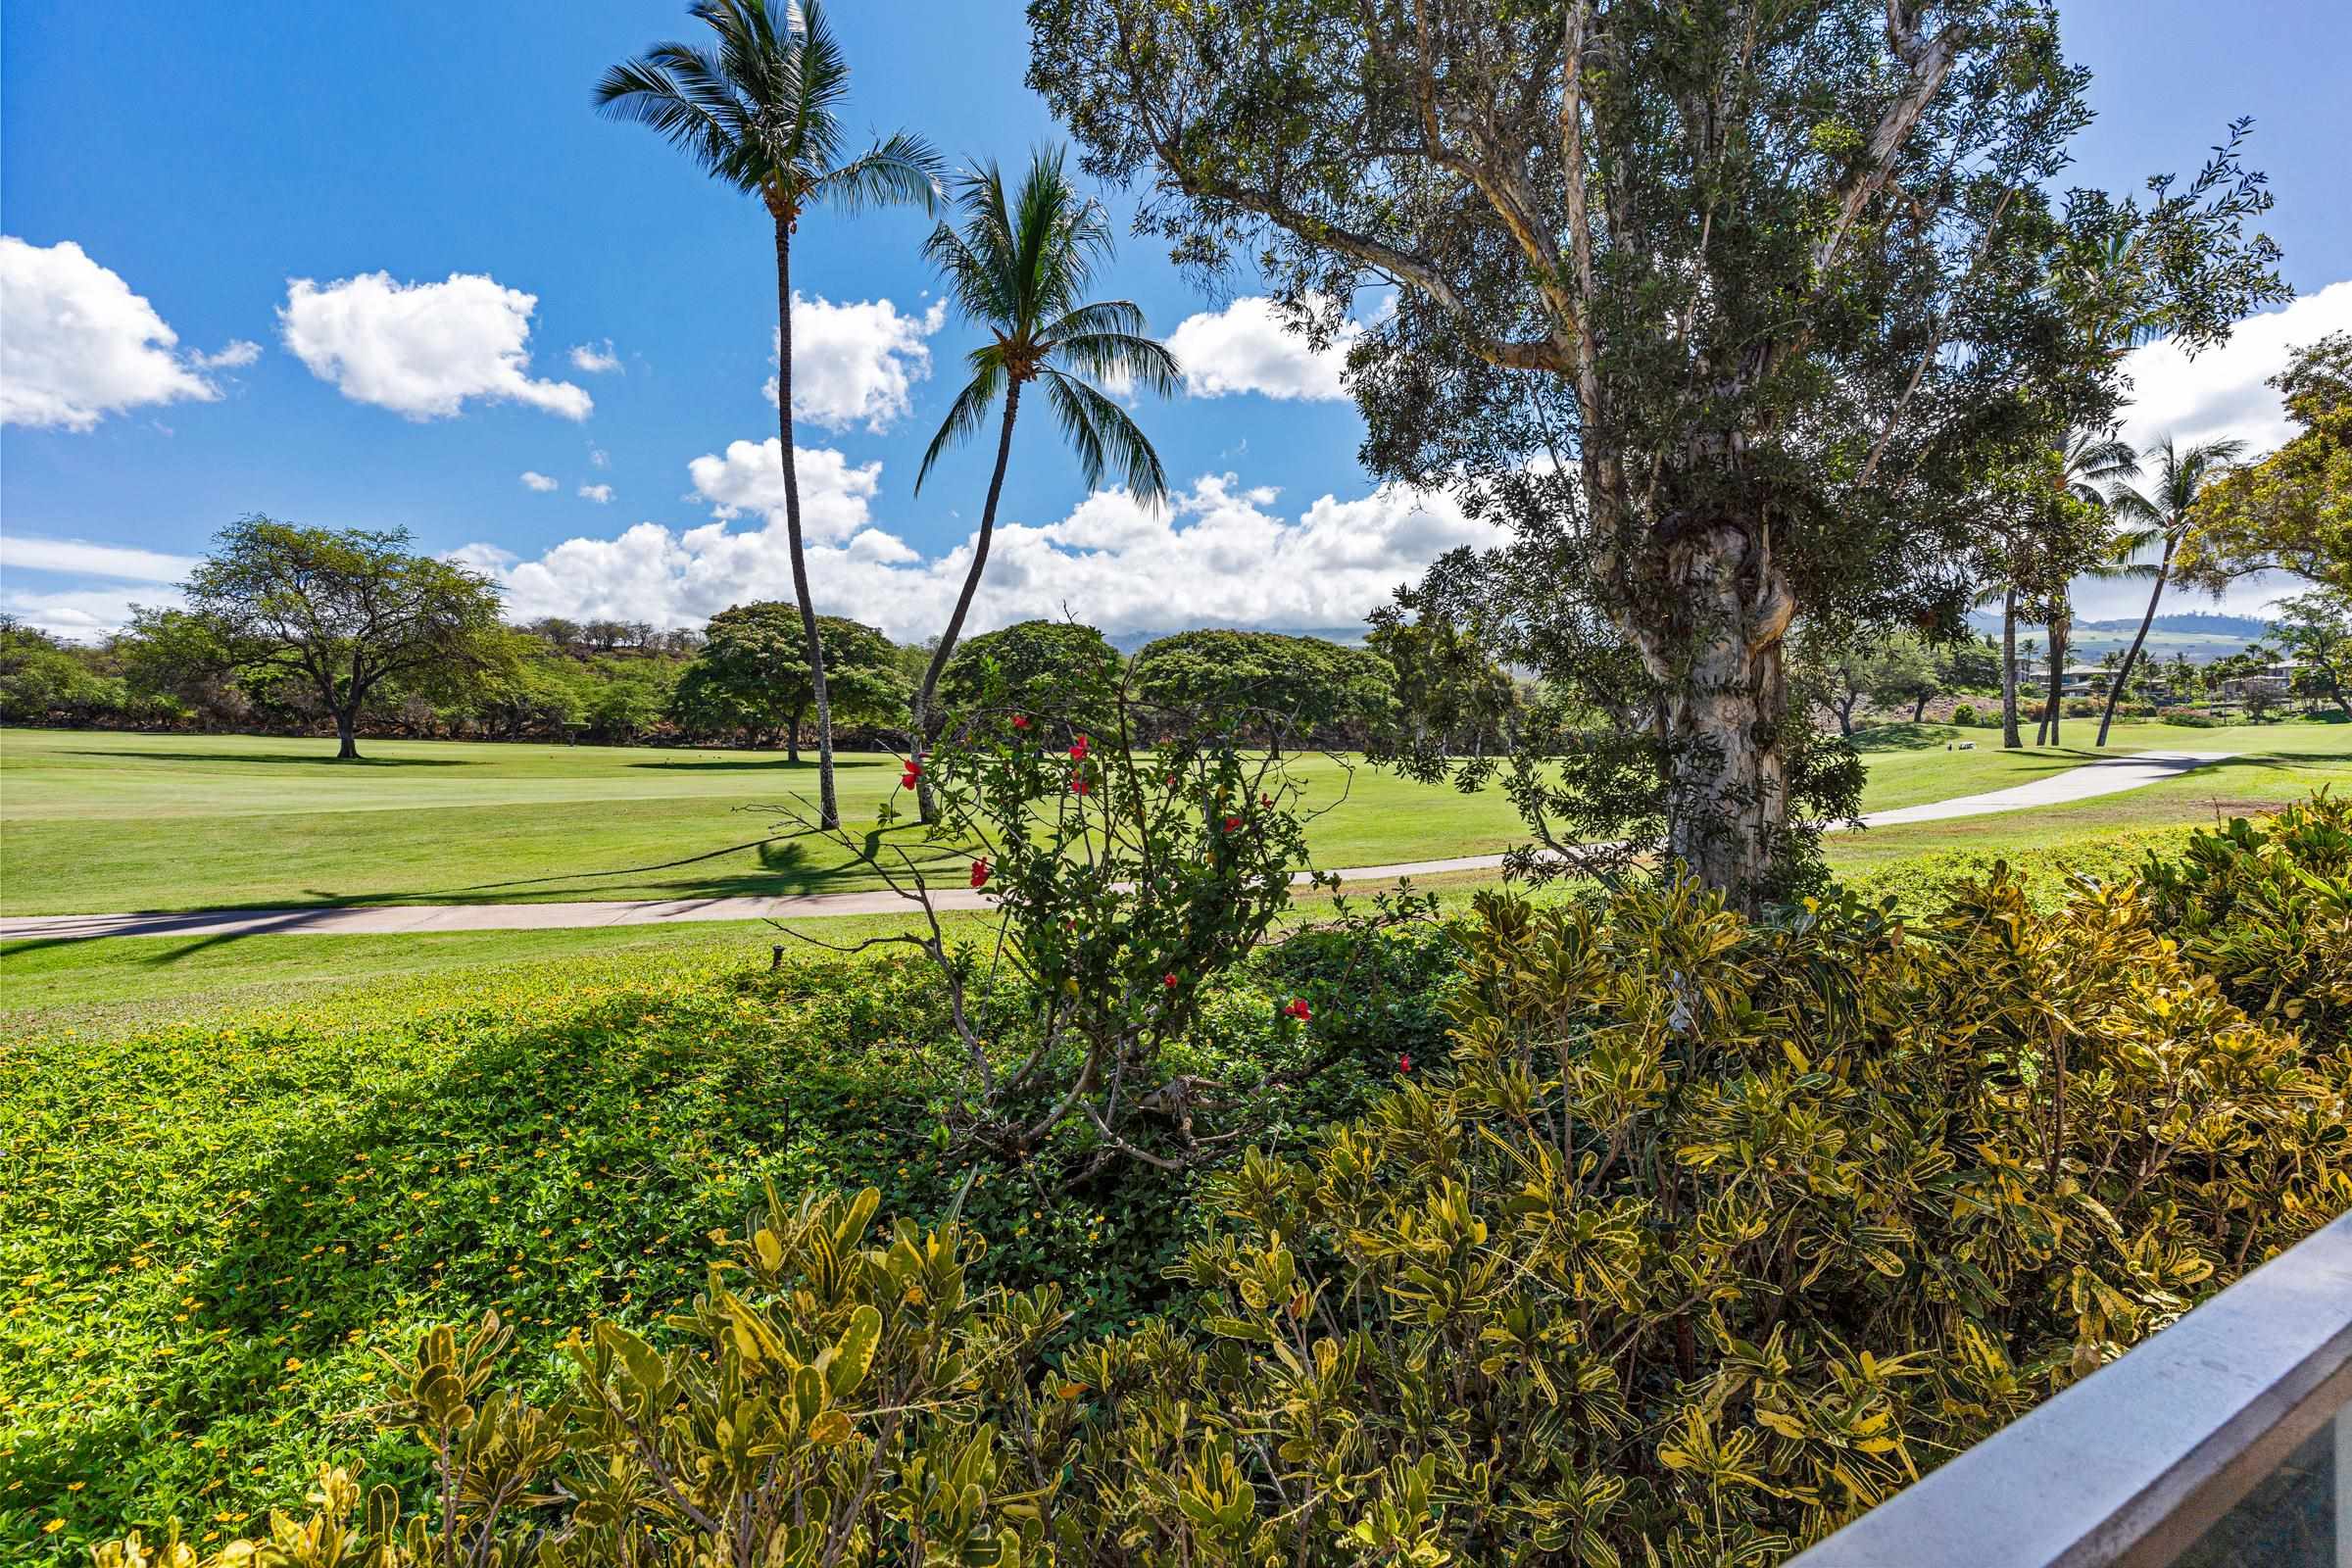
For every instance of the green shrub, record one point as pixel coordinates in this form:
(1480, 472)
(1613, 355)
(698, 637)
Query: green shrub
(2267, 908)
(1709, 1236)
(1964, 714)
(2192, 720)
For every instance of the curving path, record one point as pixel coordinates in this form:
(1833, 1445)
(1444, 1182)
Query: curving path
(2107, 777)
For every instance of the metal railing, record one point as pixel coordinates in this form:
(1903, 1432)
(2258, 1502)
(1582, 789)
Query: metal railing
(2223, 1442)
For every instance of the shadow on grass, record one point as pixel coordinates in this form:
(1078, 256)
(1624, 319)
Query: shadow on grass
(559, 1170)
(276, 759)
(842, 763)
(1902, 737)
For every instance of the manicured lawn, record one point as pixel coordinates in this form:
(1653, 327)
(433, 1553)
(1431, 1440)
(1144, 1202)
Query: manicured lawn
(91, 822)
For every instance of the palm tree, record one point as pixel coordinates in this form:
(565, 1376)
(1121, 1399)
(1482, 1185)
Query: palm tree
(1020, 265)
(761, 110)
(2091, 464)
(2162, 520)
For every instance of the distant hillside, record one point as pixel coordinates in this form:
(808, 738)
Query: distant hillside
(1128, 641)
(2204, 637)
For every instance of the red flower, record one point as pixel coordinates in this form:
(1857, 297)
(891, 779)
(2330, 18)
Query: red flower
(1405, 1064)
(1299, 1009)
(1232, 822)
(1078, 750)
(1080, 784)
(979, 873)
(1020, 721)
(1265, 801)
(1168, 980)
(908, 778)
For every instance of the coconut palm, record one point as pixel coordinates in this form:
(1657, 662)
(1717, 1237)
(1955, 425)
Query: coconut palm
(2160, 519)
(2091, 464)
(1019, 263)
(760, 110)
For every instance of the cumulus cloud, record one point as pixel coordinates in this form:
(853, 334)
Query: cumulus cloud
(2221, 392)
(855, 364)
(750, 477)
(1245, 347)
(76, 344)
(1220, 555)
(421, 349)
(593, 359)
(2217, 395)
(598, 493)
(532, 479)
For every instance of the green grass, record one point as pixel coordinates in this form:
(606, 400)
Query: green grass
(210, 1224)
(94, 823)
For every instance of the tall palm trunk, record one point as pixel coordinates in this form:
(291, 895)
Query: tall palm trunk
(2010, 738)
(926, 800)
(828, 808)
(2115, 690)
(2061, 623)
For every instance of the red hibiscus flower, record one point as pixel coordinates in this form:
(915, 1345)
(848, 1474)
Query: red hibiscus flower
(1168, 980)
(1078, 750)
(1405, 1064)
(1299, 1009)
(1232, 822)
(1020, 721)
(1080, 784)
(979, 873)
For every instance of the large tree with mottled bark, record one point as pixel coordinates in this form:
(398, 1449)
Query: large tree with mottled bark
(1742, 303)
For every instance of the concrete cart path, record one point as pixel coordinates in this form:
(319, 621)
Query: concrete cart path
(2092, 779)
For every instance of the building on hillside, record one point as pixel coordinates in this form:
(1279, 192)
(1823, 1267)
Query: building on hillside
(2271, 680)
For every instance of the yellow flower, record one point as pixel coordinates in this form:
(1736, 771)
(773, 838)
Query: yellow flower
(53, 1527)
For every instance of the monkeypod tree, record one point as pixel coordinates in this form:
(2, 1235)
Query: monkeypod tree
(1769, 290)
(345, 614)
(1047, 667)
(1295, 686)
(753, 674)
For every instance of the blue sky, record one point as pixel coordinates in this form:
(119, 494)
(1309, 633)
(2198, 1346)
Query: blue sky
(207, 157)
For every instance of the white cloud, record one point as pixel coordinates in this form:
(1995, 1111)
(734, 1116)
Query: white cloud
(855, 364)
(593, 359)
(76, 344)
(599, 457)
(84, 614)
(532, 479)
(235, 355)
(1245, 347)
(423, 349)
(2221, 392)
(23, 553)
(598, 493)
(750, 477)
(1219, 556)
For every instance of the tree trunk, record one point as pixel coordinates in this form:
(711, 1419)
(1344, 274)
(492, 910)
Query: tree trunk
(828, 808)
(1845, 716)
(1919, 707)
(792, 735)
(347, 746)
(1725, 695)
(2115, 691)
(2060, 625)
(926, 802)
(2011, 740)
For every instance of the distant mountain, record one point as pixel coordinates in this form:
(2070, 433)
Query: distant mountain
(2201, 635)
(1128, 641)
(2198, 622)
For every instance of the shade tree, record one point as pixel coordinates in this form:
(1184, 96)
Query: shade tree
(1280, 689)
(345, 617)
(1759, 298)
(2292, 511)
(753, 676)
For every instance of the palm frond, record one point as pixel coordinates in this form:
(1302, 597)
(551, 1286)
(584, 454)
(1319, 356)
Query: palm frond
(649, 92)
(1104, 438)
(902, 171)
(1122, 359)
(965, 413)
